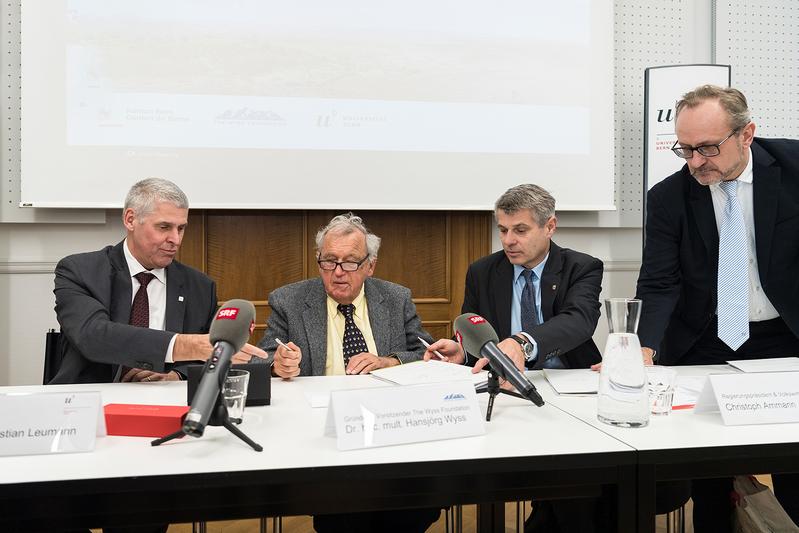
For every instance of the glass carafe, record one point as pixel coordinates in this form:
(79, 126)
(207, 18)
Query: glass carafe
(623, 397)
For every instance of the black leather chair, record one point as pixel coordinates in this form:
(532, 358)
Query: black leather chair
(52, 355)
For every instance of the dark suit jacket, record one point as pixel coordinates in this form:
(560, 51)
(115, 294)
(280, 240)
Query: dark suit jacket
(299, 314)
(678, 278)
(570, 287)
(93, 299)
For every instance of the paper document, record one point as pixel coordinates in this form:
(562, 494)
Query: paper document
(687, 391)
(431, 371)
(573, 380)
(776, 364)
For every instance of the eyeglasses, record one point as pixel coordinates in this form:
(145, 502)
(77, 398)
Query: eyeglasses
(706, 150)
(346, 266)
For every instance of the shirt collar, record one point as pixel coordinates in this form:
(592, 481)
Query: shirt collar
(359, 302)
(538, 269)
(135, 267)
(747, 176)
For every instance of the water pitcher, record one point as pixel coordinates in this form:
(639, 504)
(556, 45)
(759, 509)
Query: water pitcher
(623, 398)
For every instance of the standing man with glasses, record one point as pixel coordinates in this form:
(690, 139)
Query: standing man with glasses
(347, 322)
(721, 259)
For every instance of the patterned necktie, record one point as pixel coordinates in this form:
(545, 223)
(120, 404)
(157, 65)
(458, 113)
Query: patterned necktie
(140, 310)
(733, 273)
(529, 311)
(354, 343)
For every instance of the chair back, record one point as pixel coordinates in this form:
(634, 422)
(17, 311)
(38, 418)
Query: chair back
(52, 355)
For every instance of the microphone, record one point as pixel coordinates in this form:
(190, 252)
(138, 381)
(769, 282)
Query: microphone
(229, 331)
(478, 337)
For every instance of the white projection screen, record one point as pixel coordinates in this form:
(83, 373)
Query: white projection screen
(318, 104)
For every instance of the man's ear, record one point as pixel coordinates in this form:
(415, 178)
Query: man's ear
(371, 268)
(129, 218)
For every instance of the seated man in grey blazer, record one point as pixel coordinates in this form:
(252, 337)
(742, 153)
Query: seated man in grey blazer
(346, 322)
(129, 311)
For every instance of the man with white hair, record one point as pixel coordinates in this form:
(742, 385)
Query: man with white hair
(129, 312)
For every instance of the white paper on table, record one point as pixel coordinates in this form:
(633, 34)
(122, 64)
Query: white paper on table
(687, 391)
(421, 372)
(573, 380)
(774, 364)
(317, 400)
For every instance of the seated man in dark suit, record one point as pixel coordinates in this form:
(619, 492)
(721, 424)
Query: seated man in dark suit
(129, 312)
(347, 322)
(543, 302)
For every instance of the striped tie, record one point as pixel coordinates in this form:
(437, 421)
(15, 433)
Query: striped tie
(733, 272)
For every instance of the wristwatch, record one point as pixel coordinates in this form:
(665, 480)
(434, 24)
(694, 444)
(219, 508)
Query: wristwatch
(527, 347)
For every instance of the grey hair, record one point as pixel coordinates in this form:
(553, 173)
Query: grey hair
(732, 101)
(345, 224)
(527, 196)
(144, 194)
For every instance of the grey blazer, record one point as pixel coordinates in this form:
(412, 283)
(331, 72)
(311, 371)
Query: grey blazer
(299, 314)
(93, 294)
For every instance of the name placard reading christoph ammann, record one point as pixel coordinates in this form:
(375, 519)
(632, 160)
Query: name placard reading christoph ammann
(49, 422)
(385, 416)
(752, 398)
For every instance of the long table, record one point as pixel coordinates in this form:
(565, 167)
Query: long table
(688, 445)
(526, 452)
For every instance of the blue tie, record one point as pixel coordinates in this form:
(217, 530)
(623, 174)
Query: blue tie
(733, 273)
(529, 311)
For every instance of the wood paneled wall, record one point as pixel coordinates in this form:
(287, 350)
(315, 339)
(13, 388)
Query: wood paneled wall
(251, 253)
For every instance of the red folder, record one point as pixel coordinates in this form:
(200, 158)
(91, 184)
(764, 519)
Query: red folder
(134, 420)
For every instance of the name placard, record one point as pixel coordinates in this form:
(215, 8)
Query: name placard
(49, 422)
(385, 416)
(752, 398)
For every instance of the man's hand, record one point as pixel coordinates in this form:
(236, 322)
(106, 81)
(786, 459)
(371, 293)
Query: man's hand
(247, 353)
(513, 350)
(451, 350)
(365, 362)
(137, 374)
(191, 347)
(287, 361)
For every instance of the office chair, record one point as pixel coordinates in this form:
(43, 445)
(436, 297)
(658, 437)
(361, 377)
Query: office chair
(52, 355)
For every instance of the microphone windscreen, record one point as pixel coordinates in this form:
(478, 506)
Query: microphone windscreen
(233, 323)
(473, 331)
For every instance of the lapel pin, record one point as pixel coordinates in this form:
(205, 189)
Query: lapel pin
(554, 287)
(180, 298)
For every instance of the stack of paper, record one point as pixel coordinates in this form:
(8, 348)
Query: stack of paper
(429, 372)
(777, 364)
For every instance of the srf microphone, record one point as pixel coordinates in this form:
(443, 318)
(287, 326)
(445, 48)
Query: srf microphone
(478, 337)
(229, 331)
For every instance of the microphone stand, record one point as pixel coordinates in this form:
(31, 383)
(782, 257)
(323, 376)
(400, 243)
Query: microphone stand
(219, 417)
(493, 389)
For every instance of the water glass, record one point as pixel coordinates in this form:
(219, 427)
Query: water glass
(661, 381)
(235, 393)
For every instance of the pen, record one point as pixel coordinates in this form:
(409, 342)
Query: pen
(427, 345)
(283, 344)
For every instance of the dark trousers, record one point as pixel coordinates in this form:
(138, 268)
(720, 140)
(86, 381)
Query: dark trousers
(393, 521)
(770, 338)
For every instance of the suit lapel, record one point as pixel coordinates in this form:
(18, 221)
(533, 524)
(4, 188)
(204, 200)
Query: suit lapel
(766, 193)
(175, 299)
(121, 286)
(378, 317)
(501, 291)
(550, 280)
(701, 205)
(314, 317)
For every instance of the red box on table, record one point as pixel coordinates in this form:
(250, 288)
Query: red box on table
(135, 420)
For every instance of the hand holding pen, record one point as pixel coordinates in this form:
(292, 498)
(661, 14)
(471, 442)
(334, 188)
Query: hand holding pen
(287, 360)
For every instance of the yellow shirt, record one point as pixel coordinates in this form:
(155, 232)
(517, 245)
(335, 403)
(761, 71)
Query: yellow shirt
(334, 366)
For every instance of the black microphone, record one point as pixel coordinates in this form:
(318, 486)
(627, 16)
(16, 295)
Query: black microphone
(478, 337)
(229, 332)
